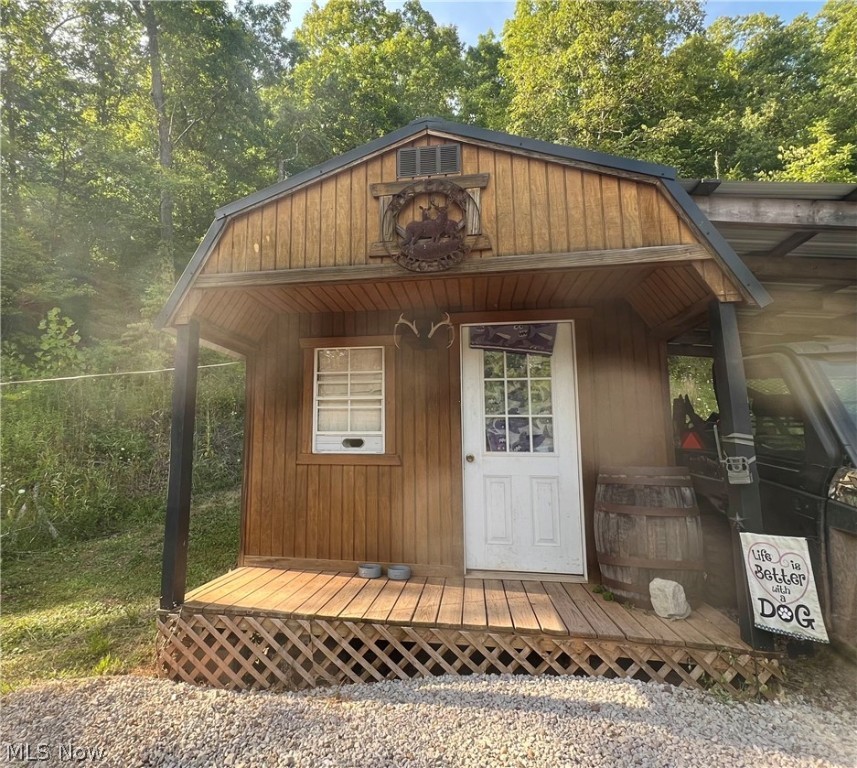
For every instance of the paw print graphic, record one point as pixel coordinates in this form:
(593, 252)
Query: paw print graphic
(785, 613)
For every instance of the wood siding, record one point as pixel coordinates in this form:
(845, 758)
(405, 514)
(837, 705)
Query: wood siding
(412, 511)
(530, 205)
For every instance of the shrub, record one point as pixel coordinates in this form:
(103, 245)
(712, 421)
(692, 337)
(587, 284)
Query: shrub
(80, 458)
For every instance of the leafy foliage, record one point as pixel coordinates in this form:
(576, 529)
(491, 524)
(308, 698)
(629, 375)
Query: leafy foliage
(387, 66)
(81, 458)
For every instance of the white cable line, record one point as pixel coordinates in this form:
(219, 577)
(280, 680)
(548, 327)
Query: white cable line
(104, 375)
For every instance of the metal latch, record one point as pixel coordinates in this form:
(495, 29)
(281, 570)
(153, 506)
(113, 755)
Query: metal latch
(737, 467)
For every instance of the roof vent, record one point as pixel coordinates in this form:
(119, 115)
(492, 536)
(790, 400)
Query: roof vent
(429, 161)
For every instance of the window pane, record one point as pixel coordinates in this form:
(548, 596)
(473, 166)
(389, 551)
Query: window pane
(363, 384)
(366, 359)
(543, 435)
(333, 360)
(332, 385)
(519, 435)
(516, 397)
(540, 366)
(540, 396)
(493, 363)
(516, 365)
(495, 435)
(495, 403)
(333, 419)
(366, 420)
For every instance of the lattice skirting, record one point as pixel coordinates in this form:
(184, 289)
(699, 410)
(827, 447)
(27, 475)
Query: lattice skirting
(244, 651)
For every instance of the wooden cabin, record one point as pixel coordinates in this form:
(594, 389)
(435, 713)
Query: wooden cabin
(448, 332)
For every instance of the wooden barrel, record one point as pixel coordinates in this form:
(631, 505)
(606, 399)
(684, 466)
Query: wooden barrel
(647, 526)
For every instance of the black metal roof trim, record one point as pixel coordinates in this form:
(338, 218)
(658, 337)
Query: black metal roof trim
(317, 171)
(718, 242)
(458, 129)
(547, 148)
(702, 187)
(193, 266)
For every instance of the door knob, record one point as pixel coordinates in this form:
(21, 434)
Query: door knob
(469, 458)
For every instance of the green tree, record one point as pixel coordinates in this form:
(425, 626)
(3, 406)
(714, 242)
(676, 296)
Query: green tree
(838, 20)
(484, 96)
(363, 71)
(821, 159)
(102, 181)
(590, 74)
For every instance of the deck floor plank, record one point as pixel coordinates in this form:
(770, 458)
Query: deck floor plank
(639, 624)
(575, 621)
(546, 614)
(627, 618)
(429, 604)
(312, 605)
(362, 600)
(238, 587)
(685, 631)
(452, 603)
(473, 614)
(212, 592)
(269, 594)
(292, 601)
(384, 603)
(337, 603)
(403, 610)
(523, 615)
(603, 625)
(497, 605)
(720, 628)
(198, 593)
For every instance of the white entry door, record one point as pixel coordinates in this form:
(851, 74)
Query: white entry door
(521, 459)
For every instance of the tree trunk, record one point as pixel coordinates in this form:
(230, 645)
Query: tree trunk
(146, 12)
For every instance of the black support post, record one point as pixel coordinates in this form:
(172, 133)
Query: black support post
(745, 507)
(174, 574)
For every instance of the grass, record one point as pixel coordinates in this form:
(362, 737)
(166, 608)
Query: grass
(88, 608)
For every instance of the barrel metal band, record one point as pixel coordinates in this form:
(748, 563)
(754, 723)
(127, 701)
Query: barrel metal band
(673, 482)
(642, 562)
(622, 585)
(628, 509)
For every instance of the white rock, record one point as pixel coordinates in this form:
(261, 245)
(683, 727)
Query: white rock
(668, 599)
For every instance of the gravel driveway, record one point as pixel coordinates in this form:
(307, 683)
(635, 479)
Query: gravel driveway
(446, 721)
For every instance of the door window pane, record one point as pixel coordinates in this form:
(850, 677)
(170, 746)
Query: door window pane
(518, 403)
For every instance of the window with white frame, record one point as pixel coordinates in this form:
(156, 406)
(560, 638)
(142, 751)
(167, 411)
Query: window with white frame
(348, 400)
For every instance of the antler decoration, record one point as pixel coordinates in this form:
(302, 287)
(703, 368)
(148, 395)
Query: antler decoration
(409, 323)
(445, 321)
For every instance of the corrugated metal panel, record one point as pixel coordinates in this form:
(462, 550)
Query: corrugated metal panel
(785, 190)
(831, 245)
(750, 239)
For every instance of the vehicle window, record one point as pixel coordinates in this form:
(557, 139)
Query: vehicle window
(842, 375)
(778, 421)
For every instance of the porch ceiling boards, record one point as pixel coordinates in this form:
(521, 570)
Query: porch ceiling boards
(661, 294)
(333, 627)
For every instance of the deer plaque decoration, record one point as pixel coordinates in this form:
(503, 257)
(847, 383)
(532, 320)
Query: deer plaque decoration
(437, 240)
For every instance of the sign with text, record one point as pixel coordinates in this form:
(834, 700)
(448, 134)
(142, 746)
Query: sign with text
(782, 586)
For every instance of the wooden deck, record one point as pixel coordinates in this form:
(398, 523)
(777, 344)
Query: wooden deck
(266, 627)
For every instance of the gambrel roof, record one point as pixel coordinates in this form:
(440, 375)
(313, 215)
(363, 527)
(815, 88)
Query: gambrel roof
(750, 288)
